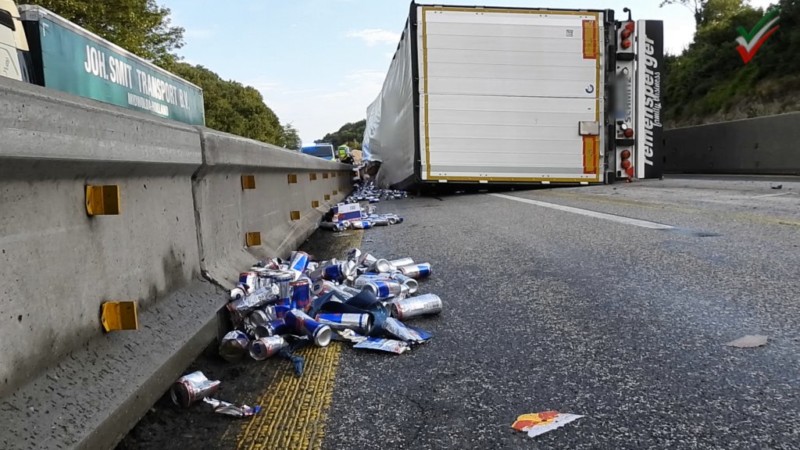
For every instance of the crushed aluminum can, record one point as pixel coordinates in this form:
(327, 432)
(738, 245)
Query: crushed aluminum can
(333, 226)
(384, 289)
(379, 221)
(263, 348)
(410, 283)
(416, 271)
(229, 409)
(191, 388)
(384, 345)
(241, 307)
(367, 278)
(301, 294)
(360, 323)
(259, 318)
(234, 345)
(411, 307)
(239, 291)
(405, 333)
(396, 263)
(354, 255)
(281, 310)
(302, 323)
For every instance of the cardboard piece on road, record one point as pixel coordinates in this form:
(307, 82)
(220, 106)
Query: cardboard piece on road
(748, 341)
(542, 422)
(350, 211)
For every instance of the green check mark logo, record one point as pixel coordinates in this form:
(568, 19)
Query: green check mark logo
(750, 41)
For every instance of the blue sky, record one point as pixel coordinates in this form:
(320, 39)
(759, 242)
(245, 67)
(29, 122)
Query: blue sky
(319, 63)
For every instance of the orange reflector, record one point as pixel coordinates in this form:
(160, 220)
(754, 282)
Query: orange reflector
(626, 154)
(626, 44)
(626, 163)
(630, 26)
(628, 133)
(626, 33)
(590, 32)
(590, 154)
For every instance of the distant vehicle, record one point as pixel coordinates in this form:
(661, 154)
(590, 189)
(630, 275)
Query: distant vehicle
(321, 150)
(40, 47)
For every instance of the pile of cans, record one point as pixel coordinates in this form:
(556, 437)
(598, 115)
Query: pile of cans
(280, 305)
(367, 192)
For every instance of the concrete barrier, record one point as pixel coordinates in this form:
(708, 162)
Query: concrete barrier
(764, 145)
(184, 214)
(285, 182)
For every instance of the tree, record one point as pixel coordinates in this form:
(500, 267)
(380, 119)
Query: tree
(139, 26)
(696, 6)
(232, 107)
(350, 134)
(290, 138)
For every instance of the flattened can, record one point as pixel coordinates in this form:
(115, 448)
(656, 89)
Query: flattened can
(263, 348)
(361, 323)
(333, 272)
(361, 224)
(241, 307)
(416, 271)
(191, 388)
(302, 323)
(233, 345)
(301, 294)
(384, 289)
(410, 307)
(259, 318)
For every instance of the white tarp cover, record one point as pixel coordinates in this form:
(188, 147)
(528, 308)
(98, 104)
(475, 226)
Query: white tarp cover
(389, 136)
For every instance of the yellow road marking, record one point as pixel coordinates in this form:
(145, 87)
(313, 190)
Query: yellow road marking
(294, 409)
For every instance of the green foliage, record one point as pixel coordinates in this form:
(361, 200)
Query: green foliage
(290, 138)
(143, 28)
(139, 26)
(232, 107)
(350, 134)
(709, 77)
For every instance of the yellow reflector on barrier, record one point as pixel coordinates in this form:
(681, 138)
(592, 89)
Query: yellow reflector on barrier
(252, 239)
(335, 192)
(102, 200)
(327, 197)
(248, 182)
(116, 316)
(292, 178)
(325, 175)
(312, 176)
(315, 203)
(294, 215)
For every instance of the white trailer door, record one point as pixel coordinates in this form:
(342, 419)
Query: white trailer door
(503, 94)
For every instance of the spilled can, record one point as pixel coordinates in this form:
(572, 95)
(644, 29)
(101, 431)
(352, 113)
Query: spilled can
(333, 272)
(410, 307)
(234, 345)
(396, 263)
(191, 388)
(384, 289)
(321, 334)
(259, 318)
(281, 310)
(332, 226)
(298, 262)
(284, 280)
(361, 224)
(249, 279)
(410, 283)
(263, 348)
(416, 271)
(361, 323)
(241, 307)
(301, 294)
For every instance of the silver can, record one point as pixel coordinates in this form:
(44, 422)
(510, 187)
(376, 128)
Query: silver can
(422, 305)
(191, 388)
(234, 345)
(395, 263)
(263, 348)
(410, 283)
(384, 289)
(361, 323)
(416, 271)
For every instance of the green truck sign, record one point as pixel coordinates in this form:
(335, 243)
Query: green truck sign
(80, 63)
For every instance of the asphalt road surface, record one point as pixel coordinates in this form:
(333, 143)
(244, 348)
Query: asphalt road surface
(612, 302)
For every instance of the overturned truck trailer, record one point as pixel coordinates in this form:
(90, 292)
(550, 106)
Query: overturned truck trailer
(519, 95)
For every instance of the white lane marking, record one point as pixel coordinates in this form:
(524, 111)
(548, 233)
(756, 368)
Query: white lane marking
(771, 195)
(595, 214)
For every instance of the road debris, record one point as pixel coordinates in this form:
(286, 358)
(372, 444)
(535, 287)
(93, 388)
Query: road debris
(539, 423)
(191, 388)
(280, 306)
(357, 211)
(749, 341)
(221, 407)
